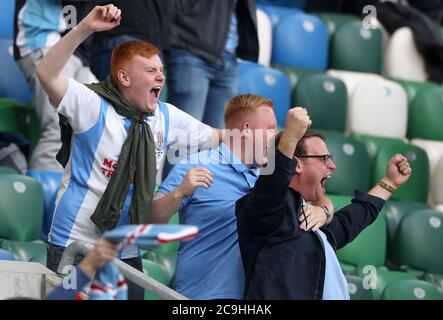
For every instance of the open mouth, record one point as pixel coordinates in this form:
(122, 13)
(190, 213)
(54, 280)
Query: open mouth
(155, 92)
(323, 181)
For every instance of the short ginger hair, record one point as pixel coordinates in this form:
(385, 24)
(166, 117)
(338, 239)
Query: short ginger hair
(237, 107)
(124, 52)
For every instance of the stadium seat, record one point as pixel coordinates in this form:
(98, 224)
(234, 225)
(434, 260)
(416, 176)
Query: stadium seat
(417, 187)
(18, 118)
(402, 60)
(436, 194)
(26, 251)
(7, 170)
(6, 255)
(21, 208)
(264, 29)
(417, 242)
(277, 13)
(426, 114)
(378, 108)
(12, 81)
(410, 290)
(385, 277)
(434, 150)
(367, 49)
(267, 82)
(7, 8)
(357, 290)
(167, 260)
(325, 98)
(334, 21)
(156, 272)
(373, 143)
(50, 181)
(369, 248)
(414, 87)
(352, 161)
(292, 27)
(395, 211)
(285, 3)
(295, 75)
(351, 78)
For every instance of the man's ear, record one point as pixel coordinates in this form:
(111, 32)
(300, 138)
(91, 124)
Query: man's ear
(246, 131)
(123, 78)
(298, 168)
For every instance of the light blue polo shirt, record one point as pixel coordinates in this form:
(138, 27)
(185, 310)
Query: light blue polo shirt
(210, 266)
(335, 285)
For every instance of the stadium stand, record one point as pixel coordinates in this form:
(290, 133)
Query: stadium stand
(292, 27)
(12, 82)
(7, 8)
(325, 98)
(378, 108)
(264, 29)
(425, 115)
(334, 21)
(357, 290)
(414, 87)
(353, 166)
(367, 49)
(436, 195)
(410, 290)
(402, 59)
(50, 182)
(268, 82)
(20, 119)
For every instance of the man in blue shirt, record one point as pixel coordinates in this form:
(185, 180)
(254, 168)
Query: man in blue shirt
(204, 188)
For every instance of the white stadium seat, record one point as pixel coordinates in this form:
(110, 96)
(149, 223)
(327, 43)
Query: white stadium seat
(264, 27)
(351, 78)
(378, 108)
(402, 60)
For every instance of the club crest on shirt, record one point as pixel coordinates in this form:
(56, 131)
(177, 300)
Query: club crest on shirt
(159, 145)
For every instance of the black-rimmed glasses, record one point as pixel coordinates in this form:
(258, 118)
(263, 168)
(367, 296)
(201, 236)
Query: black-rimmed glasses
(323, 157)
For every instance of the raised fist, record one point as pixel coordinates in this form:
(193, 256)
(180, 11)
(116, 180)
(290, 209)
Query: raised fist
(101, 18)
(398, 170)
(297, 122)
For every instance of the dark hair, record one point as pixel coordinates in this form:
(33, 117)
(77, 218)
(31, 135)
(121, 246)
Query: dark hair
(300, 148)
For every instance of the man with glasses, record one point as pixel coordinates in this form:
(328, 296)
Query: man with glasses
(280, 260)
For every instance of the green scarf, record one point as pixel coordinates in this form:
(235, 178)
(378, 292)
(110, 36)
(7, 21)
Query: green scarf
(138, 152)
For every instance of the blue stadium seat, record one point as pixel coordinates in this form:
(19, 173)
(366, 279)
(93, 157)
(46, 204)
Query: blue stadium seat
(50, 182)
(300, 40)
(7, 8)
(12, 81)
(267, 82)
(6, 255)
(277, 13)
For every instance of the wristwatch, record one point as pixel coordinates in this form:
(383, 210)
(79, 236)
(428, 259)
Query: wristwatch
(326, 211)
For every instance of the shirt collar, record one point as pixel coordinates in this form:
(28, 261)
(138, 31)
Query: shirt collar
(234, 161)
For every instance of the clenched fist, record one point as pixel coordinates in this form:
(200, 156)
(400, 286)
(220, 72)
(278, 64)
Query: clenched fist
(398, 170)
(101, 18)
(297, 122)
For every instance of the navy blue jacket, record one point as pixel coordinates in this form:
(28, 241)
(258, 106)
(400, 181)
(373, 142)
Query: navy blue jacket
(282, 261)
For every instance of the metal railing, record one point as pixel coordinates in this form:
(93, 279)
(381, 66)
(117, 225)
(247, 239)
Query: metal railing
(130, 273)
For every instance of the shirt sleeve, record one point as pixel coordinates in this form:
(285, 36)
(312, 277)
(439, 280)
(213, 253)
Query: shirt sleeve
(186, 130)
(81, 106)
(174, 179)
